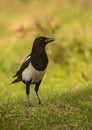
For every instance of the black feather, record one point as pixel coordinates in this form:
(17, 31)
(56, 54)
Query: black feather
(14, 76)
(16, 80)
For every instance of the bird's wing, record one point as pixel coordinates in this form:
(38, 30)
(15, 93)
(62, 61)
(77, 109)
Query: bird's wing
(23, 66)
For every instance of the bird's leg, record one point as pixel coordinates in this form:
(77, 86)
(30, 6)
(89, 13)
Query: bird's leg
(36, 90)
(27, 93)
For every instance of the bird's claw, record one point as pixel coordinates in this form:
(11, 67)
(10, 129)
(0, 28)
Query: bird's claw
(40, 103)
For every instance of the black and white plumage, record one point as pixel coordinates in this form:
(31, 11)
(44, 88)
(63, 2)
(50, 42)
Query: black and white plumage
(34, 66)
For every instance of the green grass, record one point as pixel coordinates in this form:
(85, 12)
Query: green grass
(67, 86)
(66, 111)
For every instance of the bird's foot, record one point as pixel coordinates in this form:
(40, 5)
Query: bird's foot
(39, 102)
(28, 105)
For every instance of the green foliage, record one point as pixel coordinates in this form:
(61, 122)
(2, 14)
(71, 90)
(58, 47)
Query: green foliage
(66, 89)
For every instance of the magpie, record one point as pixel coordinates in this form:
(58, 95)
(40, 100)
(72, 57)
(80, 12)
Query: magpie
(34, 66)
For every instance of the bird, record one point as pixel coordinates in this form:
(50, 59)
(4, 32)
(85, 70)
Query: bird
(34, 66)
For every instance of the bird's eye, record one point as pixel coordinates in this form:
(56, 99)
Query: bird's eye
(40, 39)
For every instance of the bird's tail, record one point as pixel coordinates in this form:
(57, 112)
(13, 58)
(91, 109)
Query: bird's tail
(14, 76)
(16, 80)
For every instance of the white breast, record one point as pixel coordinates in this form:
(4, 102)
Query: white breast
(30, 73)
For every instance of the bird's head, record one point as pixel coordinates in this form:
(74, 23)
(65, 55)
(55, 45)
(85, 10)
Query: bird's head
(41, 42)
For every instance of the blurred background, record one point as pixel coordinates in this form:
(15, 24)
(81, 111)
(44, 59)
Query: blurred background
(69, 22)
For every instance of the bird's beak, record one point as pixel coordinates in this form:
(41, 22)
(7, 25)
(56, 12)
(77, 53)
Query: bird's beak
(49, 40)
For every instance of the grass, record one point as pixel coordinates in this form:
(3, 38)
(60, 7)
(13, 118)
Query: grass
(67, 86)
(66, 111)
